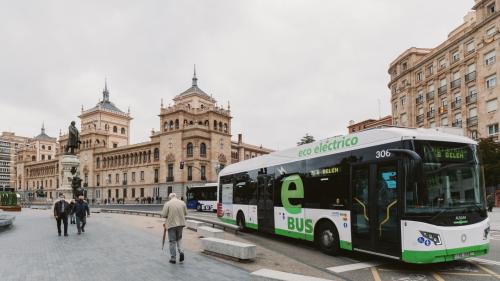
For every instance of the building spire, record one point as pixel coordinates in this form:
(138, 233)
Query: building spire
(43, 127)
(195, 80)
(105, 93)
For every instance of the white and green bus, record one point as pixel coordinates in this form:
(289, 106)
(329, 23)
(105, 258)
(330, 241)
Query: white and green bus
(415, 195)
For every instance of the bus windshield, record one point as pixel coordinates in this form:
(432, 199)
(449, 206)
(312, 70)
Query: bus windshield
(451, 179)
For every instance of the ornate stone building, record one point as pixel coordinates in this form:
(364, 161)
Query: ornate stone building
(192, 145)
(453, 84)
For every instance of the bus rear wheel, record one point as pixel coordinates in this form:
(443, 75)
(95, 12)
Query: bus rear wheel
(240, 221)
(327, 238)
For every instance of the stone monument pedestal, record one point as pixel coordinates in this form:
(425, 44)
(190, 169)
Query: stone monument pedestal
(68, 162)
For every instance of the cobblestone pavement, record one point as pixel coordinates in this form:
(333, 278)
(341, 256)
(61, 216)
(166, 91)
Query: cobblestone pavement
(109, 250)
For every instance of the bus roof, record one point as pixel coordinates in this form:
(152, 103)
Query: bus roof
(343, 143)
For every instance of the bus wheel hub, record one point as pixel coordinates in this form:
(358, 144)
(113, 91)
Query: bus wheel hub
(327, 238)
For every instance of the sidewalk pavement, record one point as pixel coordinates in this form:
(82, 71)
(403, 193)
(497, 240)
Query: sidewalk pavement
(108, 250)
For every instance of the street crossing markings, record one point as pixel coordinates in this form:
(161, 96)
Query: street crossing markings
(478, 260)
(488, 271)
(353, 266)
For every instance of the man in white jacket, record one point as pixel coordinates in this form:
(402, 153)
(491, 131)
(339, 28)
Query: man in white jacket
(174, 211)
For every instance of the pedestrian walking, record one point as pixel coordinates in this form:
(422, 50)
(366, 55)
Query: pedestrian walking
(490, 199)
(61, 208)
(70, 212)
(174, 211)
(81, 212)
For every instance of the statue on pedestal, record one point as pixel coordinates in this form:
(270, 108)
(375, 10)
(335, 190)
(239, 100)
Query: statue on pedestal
(73, 139)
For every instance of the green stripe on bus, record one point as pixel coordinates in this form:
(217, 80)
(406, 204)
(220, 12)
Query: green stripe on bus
(292, 234)
(251, 225)
(443, 255)
(226, 220)
(345, 245)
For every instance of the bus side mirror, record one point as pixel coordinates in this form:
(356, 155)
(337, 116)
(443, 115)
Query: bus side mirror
(411, 155)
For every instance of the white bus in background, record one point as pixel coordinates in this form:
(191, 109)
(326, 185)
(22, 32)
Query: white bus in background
(202, 198)
(415, 195)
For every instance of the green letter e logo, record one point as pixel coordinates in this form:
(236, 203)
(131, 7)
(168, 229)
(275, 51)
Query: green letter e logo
(287, 194)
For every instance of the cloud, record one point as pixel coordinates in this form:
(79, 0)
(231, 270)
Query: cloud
(287, 67)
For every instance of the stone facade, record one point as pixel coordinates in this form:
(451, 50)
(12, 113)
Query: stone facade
(369, 123)
(192, 145)
(453, 84)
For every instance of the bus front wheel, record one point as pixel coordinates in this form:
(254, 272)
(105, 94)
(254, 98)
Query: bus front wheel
(240, 221)
(327, 238)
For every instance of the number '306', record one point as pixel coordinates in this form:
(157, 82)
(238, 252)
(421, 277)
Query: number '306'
(382, 154)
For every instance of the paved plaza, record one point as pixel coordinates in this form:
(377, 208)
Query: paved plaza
(109, 250)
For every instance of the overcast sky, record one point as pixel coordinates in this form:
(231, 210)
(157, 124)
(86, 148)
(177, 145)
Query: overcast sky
(287, 67)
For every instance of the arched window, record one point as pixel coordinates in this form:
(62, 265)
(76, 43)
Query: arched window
(140, 157)
(191, 122)
(165, 126)
(225, 128)
(98, 162)
(104, 162)
(177, 123)
(220, 126)
(106, 127)
(189, 150)
(115, 129)
(43, 146)
(207, 123)
(171, 127)
(156, 154)
(215, 124)
(149, 156)
(123, 131)
(203, 149)
(50, 147)
(144, 157)
(135, 158)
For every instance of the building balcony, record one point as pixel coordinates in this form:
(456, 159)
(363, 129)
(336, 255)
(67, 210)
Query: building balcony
(419, 99)
(420, 118)
(455, 83)
(457, 124)
(170, 179)
(431, 114)
(471, 98)
(442, 90)
(470, 76)
(430, 95)
(456, 104)
(472, 121)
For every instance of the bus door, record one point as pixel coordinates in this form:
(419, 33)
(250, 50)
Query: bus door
(265, 204)
(375, 218)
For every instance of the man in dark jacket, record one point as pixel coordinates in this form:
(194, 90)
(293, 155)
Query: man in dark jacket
(81, 210)
(61, 209)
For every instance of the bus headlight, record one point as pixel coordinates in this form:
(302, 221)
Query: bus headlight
(486, 232)
(434, 237)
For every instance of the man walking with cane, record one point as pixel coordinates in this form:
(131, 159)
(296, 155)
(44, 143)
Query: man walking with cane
(174, 211)
(61, 214)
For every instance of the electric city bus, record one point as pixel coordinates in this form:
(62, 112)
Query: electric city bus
(202, 198)
(415, 195)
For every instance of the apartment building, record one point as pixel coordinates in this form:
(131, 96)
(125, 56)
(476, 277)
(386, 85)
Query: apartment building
(455, 83)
